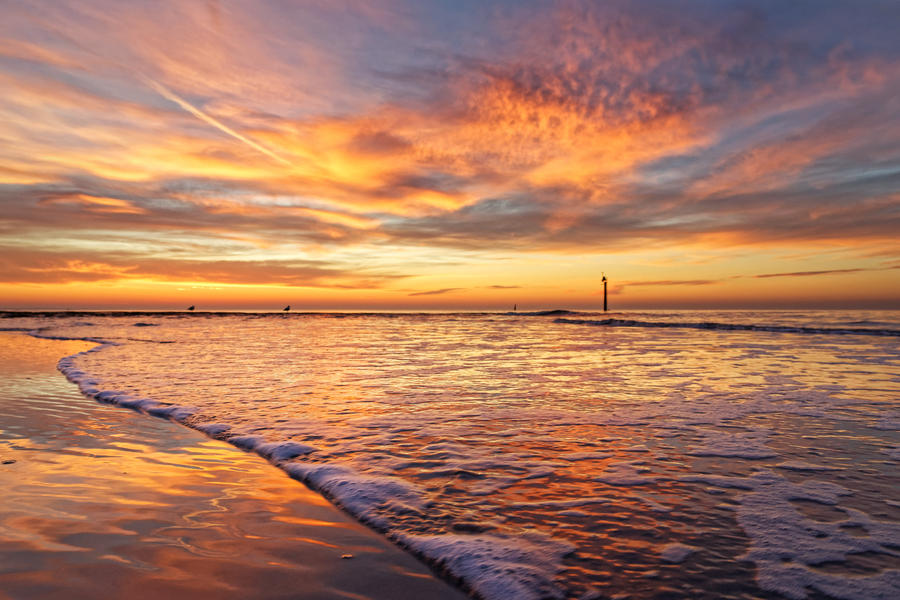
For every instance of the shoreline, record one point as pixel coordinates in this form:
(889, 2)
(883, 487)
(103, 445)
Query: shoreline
(104, 502)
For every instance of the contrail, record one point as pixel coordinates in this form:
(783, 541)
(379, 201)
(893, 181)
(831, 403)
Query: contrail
(170, 95)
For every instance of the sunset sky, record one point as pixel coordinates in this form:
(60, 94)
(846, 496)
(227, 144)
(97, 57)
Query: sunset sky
(457, 154)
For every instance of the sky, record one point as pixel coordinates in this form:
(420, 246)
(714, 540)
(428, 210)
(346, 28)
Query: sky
(449, 155)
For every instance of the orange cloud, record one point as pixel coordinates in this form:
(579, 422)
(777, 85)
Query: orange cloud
(368, 137)
(98, 204)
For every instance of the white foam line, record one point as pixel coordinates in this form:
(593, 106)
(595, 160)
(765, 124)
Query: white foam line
(88, 386)
(524, 565)
(731, 327)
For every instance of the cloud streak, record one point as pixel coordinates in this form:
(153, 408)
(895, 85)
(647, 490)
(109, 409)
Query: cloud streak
(669, 282)
(31, 267)
(817, 273)
(435, 292)
(170, 95)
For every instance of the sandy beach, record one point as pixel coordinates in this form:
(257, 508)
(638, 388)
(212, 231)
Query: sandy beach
(99, 501)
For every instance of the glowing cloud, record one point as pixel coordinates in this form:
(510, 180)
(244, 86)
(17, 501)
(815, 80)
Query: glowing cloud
(682, 148)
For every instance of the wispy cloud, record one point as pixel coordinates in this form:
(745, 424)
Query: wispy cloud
(435, 292)
(671, 282)
(826, 272)
(17, 266)
(170, 95)
(705, 282)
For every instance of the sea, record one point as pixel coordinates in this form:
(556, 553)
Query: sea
(554, 454)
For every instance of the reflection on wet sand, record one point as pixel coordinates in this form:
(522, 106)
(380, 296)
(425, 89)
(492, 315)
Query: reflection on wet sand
(103, 502)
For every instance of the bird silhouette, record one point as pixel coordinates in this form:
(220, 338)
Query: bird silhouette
(286, 308)
(191, 307)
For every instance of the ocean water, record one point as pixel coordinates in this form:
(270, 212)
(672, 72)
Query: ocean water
(547, 455)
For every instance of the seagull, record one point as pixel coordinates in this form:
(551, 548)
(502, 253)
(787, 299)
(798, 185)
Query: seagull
(286, 308)
(191, 307)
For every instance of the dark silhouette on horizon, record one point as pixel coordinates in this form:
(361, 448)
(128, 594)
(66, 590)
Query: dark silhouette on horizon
(191, 307)
(286, 308)
(604, 292)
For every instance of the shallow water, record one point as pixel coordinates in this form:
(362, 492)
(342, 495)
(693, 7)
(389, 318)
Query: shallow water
(98, 502)
(533, 457)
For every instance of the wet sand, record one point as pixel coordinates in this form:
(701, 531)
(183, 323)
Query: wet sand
(102, 502)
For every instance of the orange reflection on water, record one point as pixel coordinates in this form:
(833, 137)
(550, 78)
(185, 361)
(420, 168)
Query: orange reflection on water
(34, 355)
(104, 502)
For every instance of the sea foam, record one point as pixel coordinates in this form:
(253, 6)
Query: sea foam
(517, 440)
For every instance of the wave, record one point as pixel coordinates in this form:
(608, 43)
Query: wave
(732, 327)
(542, 313)
(490, 566)
(884, 324)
